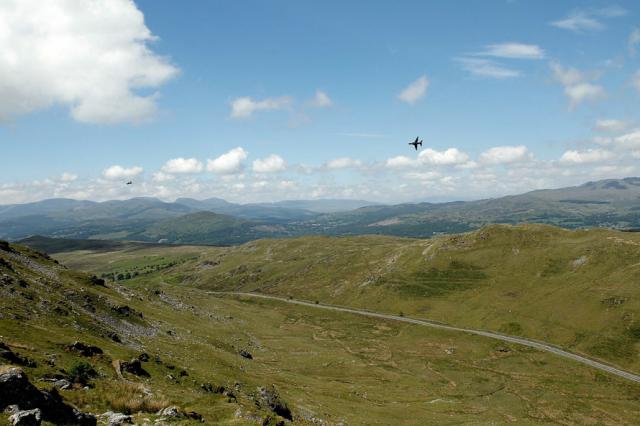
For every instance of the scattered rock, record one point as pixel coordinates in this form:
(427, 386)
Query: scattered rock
(84, 349)
(144, 357)
(15, 388)
(245, 354)
(580, 261)
(114, 336)
(208, 387)
(134, 367)
(97, 281)
(26, 418)
(269, 398)
(169, 412)
(118, 419)
(126, 311)
(7, 354)
(62, 384)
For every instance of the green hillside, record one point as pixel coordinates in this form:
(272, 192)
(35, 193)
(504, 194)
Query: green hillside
(314, 367)
(577, 289)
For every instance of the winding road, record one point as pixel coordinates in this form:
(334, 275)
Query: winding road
(546, 347)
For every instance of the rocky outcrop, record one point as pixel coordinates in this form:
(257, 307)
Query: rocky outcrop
(16, 389)
(117, 419)
(269, 398)
(26, 418)
(245, 354)
(134, 367)
(12, 358)
(84, 349)
(175, 413)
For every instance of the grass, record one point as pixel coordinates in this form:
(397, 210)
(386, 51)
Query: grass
(572, 288)
(341, 367)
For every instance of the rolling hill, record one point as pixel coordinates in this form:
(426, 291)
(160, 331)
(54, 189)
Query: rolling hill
(577, 289)
(154, 342)
(609, 203)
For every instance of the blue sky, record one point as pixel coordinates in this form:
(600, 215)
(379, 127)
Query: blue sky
(258, 101)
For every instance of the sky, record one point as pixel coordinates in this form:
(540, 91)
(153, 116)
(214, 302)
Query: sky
(255, 101)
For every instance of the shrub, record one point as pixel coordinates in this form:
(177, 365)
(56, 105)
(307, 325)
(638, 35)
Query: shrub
(81, 372)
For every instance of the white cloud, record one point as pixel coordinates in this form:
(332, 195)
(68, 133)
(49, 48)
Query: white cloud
(91, 56)
(629, 140)
(162, 177)
(588, 156)
(634, 40)
(566, 76)
(581, 21)
(343, 163)
(514, 51)
(271, 164)
(119, 172)
(584, 92)
(486, 68)
(611, 125)
(321, 100)
(400, 162)
(68, 177)
(244, 107)
(228, 163)
(182, 165)
(505, 155)
(576, 88)
(415, 91)
(449, 157)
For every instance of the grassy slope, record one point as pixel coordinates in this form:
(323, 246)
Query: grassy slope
(326, 365)
(577, 289)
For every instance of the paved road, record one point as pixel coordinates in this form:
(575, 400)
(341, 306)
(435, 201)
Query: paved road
(546, 347)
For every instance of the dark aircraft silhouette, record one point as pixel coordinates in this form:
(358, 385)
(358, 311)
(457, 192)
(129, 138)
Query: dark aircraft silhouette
(130, 183)
(416, 143)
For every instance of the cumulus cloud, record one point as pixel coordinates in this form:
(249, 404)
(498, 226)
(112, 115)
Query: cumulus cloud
(589, 20)
(343, 163)
(611, 125)
(271, 164)
(400, 162)
(415, 91)
(514, 51)
(119, 172)
(576, 87)
(182, 166)
(162, 177)
(629, 140)
(505, 155)
(244, 107)
(230, 162)
(584, 92)
(588, 156)
(321, 100)
(449, 157)
(566, 76)
(68, 177)
(486, 68)
(91, 56)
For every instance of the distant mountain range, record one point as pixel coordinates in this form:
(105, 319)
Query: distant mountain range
(613, 203)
